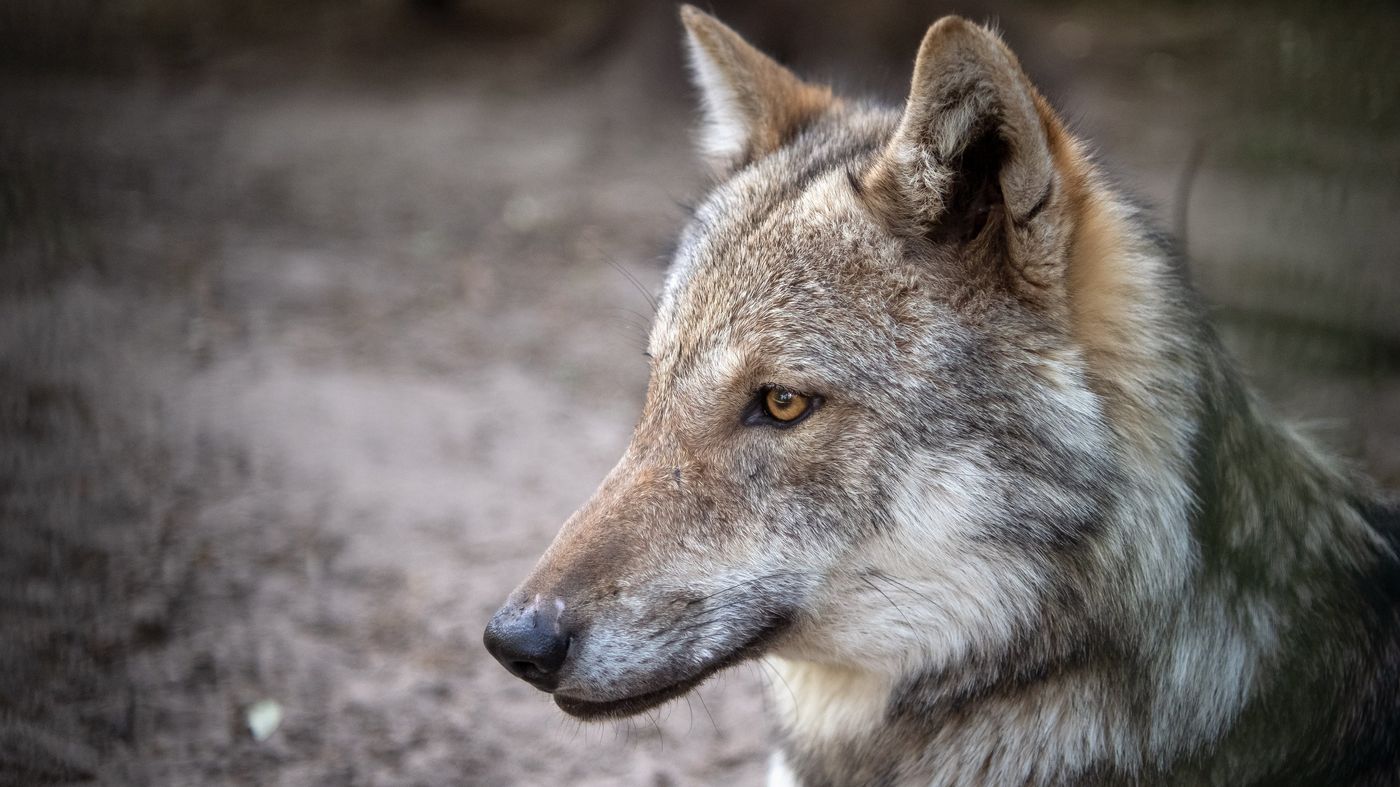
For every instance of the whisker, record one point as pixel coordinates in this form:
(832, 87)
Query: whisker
(773, 575)
(626, 274)
(655, 723)
(791, 694)
(628, 336)
(897, 607)
(708, 616)
(905, 587)
(701, 697)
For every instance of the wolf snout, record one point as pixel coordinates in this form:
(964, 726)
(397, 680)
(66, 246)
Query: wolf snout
(530, 641)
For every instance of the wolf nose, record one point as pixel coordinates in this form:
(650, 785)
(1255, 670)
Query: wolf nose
(529, 642)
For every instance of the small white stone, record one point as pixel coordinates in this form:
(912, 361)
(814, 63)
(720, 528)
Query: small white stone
(264, 717)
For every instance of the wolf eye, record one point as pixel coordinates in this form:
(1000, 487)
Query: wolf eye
(784, 405)
(781, 407)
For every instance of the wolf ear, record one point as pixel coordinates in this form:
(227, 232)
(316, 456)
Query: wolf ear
(973, 160)
(752, 105)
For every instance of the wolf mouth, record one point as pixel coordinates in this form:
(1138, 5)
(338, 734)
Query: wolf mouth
(636, 703)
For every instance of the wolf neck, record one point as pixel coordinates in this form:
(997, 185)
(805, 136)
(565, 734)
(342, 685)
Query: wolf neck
(1253, 532)
(1222, 513)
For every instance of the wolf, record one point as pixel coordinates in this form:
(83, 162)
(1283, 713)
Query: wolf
(937, 426)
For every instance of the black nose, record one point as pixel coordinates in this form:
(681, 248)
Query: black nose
(530, 642)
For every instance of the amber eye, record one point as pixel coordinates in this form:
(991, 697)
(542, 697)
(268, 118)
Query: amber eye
(773, 405)
(785, 406)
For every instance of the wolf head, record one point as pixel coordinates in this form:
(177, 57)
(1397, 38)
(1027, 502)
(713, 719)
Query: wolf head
(870, 437)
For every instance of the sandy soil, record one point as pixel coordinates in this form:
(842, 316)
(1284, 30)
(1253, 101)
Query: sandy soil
(301, 366)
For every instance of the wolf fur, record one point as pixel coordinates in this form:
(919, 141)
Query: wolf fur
(1038, 531)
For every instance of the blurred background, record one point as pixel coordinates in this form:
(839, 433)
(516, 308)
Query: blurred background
(316, 322)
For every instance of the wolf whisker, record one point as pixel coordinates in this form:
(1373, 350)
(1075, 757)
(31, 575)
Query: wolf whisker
(626, 274)
(750, 581)
(700, 696)
(897, 607)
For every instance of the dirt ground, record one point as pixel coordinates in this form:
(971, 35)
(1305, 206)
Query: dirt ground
(306, 350)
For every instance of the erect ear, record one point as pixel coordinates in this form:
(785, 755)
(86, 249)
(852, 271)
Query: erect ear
(752, 105)
(977, 159)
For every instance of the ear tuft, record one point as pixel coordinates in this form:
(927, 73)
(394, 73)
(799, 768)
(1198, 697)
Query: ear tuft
(967, 85)
(752, 105)
(977, 149)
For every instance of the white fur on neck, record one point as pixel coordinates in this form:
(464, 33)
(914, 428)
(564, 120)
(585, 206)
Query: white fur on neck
(822, 702)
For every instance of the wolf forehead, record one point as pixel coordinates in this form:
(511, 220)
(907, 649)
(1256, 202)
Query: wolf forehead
(784, 259)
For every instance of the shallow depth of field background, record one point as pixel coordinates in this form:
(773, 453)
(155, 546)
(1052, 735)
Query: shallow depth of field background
(314, 327)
